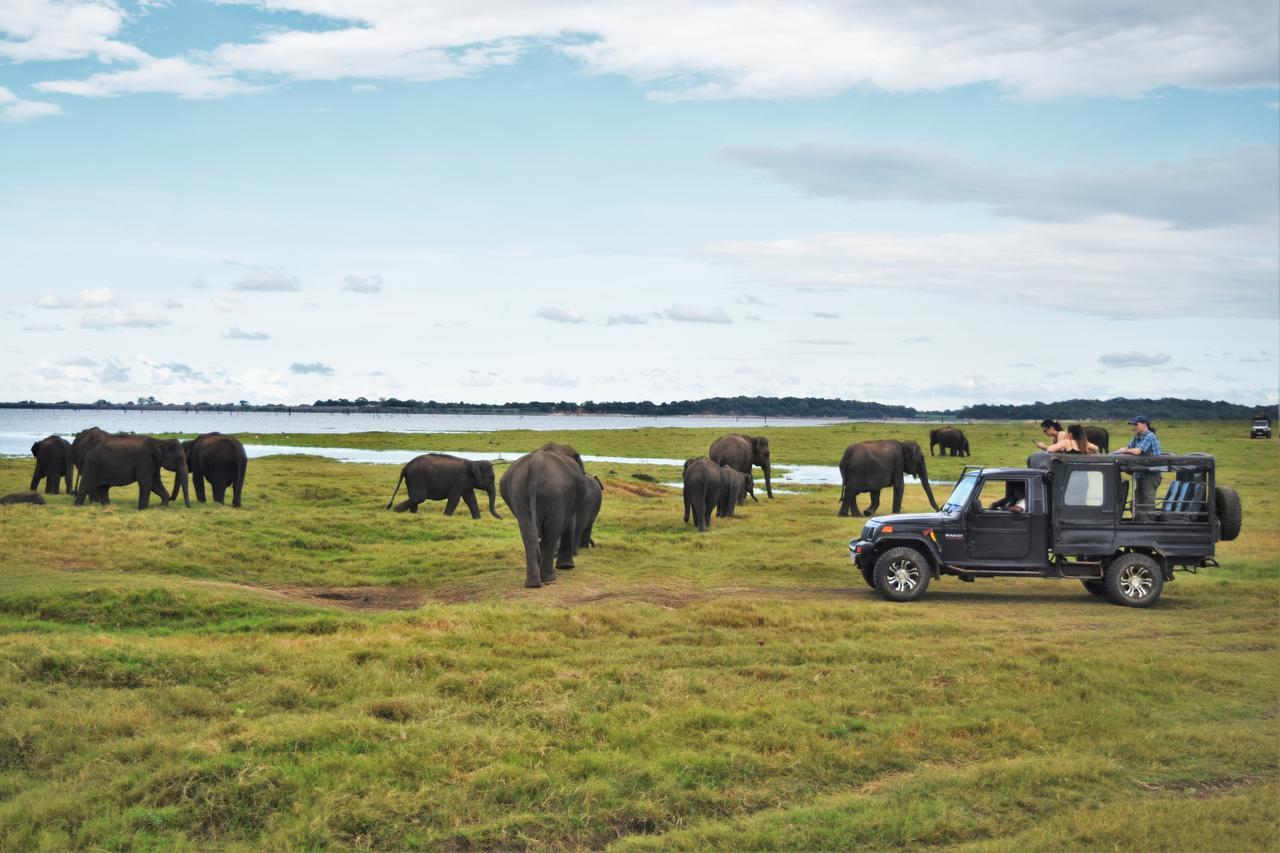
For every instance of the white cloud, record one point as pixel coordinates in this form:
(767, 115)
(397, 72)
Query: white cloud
(228, 305)
(77, 361)
(311, 367)
(124, 320)
(1229, 188)
(1107, 266)
(55, 30)
(628, 320)
(94, 298)
(561, 315)
(239, 334)
(171, 304)
(113, 372)
(696, 314)
(14, 109)
(551, 380)
(171, 76)
(268, 280)
(363, 283)
(746, 49)
(42, 327)
(1133, 359)
(826, 315)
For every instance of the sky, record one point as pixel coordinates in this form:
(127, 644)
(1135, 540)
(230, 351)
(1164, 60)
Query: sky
(930, 204)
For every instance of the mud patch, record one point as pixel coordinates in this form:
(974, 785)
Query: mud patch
(360, 598)
(635, 490)
(1203, 788)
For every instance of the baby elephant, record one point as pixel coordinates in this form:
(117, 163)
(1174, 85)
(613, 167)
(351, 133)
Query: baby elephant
(22, 498)
(440, 477)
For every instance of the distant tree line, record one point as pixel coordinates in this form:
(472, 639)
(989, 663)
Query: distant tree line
(1117, 408)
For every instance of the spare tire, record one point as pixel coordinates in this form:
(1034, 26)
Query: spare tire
(1227, 503)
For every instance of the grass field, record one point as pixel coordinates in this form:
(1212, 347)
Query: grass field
(315, 671)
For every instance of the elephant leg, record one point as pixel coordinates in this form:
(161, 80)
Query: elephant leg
(219, 491)
(157, 487)
(846, 501)
(568, 547)
(853, 504)
(197, 479)
(897, 495)
(469, 498)
(236, 488)
(103, 495)
(553, 524)
(532, 553)
(452, 503)
(687, 505)
(51, 485)
(144, 492)
(875, 503)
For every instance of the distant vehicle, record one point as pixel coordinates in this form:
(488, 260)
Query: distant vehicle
(1073, 521)
(1261, 427)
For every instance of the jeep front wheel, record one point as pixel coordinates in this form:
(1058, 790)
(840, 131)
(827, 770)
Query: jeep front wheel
(1134, 580)
(902, 574)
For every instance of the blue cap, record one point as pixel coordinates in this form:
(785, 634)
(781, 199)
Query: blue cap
(1140, 419)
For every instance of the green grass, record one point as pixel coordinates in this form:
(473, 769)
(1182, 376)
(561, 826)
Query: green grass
(175, 678)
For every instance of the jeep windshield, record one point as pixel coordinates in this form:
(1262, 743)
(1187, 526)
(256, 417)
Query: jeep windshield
(960, 494)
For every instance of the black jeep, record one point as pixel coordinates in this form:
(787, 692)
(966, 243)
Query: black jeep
(1074, 519)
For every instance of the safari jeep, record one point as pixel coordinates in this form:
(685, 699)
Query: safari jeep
(1075, 520)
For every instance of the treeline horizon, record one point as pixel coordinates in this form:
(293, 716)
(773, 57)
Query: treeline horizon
(1116, 408)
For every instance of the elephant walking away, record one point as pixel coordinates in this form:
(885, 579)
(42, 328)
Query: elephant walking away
(1099, 436)
(702, 485)
(221, 460)
(440, 477)
(589, 511)
(949, 439)
(122, 459)
(544, 490)
(870, 466)
(53, 464)
(85, 441)
(733, 491)
(740, 452)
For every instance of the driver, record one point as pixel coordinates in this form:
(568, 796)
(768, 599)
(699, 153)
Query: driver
(1015, 497)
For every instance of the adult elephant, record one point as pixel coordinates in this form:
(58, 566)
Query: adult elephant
(702, 486)
(53, 464)
(1099, 436)
(441, 477)
(949, 439)
(740, 452)
(218, 458)
(85, 441)
(870, 466)
(544, 489)
(733, 491)
(122, 459)
(589, 511)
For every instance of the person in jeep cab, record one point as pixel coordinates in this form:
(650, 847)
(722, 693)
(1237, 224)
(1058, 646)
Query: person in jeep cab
(1015, 497)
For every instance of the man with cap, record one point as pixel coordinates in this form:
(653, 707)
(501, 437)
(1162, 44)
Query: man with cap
(1143, 443)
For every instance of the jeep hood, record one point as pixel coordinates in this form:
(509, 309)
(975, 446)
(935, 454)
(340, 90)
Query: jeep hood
(923, 519)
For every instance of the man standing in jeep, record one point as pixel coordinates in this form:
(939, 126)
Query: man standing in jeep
(1143, 443)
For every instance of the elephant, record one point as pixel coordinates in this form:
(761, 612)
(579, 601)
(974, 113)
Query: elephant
(589, 510)
(733, 491)
(567, 452)
(949, 438)
(1099, 436)
(122, 459)
(84, 441)
(544, 490)
(53, 464)
(740, 452)
(702, 488)
(218, 458)
(31, 497)
(869, 466)
(440, 477)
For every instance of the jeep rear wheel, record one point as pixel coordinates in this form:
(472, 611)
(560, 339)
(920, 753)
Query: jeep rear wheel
(1229, 512)
(1134, 580)
(901, 574)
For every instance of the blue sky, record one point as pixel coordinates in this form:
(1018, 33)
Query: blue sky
(931, 205)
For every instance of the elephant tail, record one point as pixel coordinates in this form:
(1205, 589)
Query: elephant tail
(397, 491)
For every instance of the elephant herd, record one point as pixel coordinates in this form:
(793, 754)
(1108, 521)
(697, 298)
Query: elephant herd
(721, 481)
(101, 460)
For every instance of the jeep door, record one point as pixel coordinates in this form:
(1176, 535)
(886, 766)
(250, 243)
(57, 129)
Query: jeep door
(996, 534)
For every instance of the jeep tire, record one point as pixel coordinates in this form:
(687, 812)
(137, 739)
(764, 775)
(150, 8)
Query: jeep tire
(902, 574)
(1230, 514)
(869, 574)
(1134, 580)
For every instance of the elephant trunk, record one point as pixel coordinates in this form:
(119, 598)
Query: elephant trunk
(924, 481)
(768, 478)
(492, 490)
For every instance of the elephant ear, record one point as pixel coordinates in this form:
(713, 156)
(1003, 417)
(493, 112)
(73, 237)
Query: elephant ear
(157, 449)
(35, 449)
